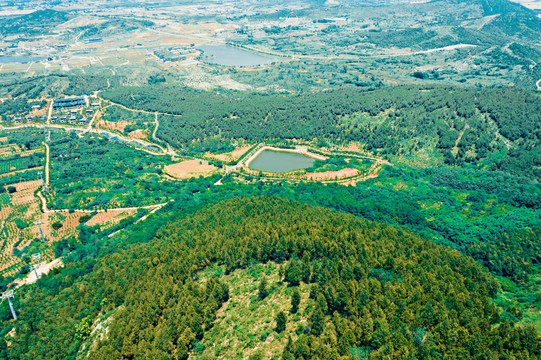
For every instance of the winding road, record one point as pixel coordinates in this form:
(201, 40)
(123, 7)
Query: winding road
(45, 209)
(109, 134)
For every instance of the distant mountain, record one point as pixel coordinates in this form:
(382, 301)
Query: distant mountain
(511, 19)
(38, 22)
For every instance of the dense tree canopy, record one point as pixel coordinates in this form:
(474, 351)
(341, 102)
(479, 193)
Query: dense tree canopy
(483, 124)
(380, 289)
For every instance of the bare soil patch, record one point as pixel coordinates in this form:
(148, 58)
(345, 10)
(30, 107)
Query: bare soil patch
(229, 156)
(42, 270)
(109, 218)
(332, 175)
(189, 169)
(117, 125)
(141, 134)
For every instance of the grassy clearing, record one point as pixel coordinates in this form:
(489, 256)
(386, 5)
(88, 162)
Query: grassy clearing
(245, 325)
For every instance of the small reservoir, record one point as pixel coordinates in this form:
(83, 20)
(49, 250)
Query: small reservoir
(280, 161)
(231, 56)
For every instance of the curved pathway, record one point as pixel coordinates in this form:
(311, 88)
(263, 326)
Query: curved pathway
(371, 172)
(170, 150)
(107, 133)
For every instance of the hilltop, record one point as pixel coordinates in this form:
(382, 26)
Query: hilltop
(373, 289)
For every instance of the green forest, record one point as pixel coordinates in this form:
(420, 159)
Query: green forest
(378, 290)
(97, 173)
(496, 129)
(431, 252)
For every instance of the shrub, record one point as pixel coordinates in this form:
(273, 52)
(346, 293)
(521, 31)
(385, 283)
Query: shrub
(57, 225)
(281, 320)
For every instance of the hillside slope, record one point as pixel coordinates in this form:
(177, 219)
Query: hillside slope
(375, 290)
(494, 128)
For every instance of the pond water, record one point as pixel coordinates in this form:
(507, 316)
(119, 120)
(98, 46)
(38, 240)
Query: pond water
(232, 56)
(19, 59)
(279, 161)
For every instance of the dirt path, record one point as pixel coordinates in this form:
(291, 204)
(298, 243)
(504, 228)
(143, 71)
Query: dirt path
(47, 210)
(47, 157)
(43, 269)
(155, 127)
(122, 138)
(93, 118)
(169, 150)
(372, 172)
(50, 112)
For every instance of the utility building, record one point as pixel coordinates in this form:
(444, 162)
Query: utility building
(60, 104)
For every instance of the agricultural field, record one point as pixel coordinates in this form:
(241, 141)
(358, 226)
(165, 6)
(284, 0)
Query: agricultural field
(20, 236)
(20, 152)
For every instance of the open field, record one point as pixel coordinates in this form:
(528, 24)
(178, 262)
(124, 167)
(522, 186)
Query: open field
(110, 218)
(43, 269)
(190, 169)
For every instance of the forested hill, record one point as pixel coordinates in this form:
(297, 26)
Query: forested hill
(510, 20)
(37, 22)
(374, 289)
(497, 128)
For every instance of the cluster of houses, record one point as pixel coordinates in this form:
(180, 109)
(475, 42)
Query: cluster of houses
(72, 118)
(30, 119)
(60, 105)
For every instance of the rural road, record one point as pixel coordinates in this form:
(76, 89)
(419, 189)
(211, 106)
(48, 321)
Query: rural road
(47, 157)
(95, 131)
(47, 210)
